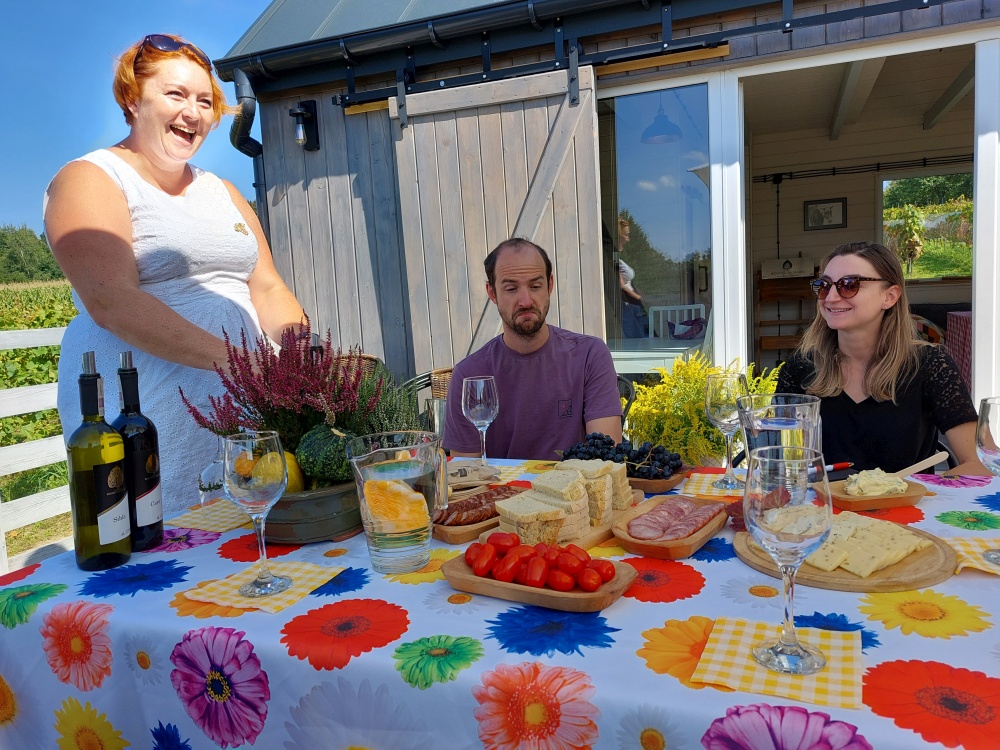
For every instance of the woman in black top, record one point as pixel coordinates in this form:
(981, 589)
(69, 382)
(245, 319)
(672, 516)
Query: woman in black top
(884, 393)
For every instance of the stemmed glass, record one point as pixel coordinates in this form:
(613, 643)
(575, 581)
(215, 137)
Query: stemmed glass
(480, 405)
(254, 475)
(210, 480)
(787, 511)
(721, 392)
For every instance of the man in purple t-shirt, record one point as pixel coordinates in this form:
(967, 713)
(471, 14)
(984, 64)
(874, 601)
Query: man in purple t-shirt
(554, 386)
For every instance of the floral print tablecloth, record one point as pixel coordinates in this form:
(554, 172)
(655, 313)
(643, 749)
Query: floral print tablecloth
(123, 658)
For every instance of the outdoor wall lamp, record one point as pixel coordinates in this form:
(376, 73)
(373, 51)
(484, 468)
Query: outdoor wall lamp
(306, 125)
(662, 129)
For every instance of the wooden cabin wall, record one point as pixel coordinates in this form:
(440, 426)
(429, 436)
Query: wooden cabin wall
(890, 128)
(335, 226)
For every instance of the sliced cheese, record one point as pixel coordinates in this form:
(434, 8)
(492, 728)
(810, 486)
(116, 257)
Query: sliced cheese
(828, 557)
(862, 563)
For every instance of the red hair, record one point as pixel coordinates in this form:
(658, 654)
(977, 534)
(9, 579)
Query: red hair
(130, 75)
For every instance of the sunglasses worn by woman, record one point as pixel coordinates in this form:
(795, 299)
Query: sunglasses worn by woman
(847, 286)
(165, 43)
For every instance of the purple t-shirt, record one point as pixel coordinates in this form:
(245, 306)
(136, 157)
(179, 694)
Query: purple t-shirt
(546, 397)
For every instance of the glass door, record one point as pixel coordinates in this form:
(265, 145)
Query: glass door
(656, 217)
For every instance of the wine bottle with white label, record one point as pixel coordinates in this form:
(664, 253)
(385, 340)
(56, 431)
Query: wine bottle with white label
(142, 461)
(95, 454)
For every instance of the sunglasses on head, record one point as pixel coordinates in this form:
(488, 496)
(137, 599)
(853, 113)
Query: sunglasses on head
(164, 43)
(847, 286)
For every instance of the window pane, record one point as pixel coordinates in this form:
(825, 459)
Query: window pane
(657, 224)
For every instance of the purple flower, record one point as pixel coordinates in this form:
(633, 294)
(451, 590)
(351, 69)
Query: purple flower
(952, 480)
(219, 680)
(763, 727)
(176, 540)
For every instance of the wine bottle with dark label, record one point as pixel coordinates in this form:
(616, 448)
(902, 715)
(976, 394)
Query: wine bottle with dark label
(95, 454)
(142, 461)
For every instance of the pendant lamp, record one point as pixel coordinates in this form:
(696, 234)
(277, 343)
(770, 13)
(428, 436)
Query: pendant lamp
(662, 129)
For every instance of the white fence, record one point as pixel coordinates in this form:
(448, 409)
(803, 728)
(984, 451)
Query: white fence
(25, 511)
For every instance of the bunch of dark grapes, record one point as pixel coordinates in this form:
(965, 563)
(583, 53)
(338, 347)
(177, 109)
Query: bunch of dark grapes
(644, 461)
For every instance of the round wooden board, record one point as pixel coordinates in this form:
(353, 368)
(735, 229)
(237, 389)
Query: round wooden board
(914, 491)
(673, 550)
(460, 576)
(923, 568)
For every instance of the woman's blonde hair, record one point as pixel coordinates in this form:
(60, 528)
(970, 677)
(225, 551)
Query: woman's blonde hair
(130, 75)
(896, 356)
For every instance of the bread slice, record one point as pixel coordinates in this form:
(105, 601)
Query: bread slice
(564, 485)
(525, 509)
(600, 499)
(591, 468)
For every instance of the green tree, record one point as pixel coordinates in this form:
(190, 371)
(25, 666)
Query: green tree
(24, 256)
(927, 191)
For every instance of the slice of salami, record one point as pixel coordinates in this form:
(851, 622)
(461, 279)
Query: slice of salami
(644, 528)
(692, 522)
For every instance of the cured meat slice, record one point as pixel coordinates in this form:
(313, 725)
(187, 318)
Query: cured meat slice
(641, 527)
(475, 508)
(692, 522)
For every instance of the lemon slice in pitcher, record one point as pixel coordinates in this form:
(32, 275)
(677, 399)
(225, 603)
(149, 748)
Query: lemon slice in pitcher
(269, 469)
(395, 506)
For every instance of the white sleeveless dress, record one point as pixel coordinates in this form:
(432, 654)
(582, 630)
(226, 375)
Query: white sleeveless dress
(195, 254)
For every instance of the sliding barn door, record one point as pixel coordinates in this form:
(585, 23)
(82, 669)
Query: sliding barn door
(477, 165)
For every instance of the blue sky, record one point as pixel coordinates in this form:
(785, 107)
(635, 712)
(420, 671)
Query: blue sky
(57, 58)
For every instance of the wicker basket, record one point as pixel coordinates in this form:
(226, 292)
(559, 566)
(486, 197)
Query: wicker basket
(327, 514)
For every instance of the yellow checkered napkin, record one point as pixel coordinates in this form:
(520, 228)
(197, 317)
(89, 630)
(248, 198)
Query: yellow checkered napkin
(727, 661)
(510, 473)
(306, 577)
(220, 515)
(970, 552)
(699, 483)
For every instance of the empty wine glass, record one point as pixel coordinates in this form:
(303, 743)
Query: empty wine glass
(210, 480)
(787, 511)
(254, 476)
(480, 405)
(721, 392)
(986, 431)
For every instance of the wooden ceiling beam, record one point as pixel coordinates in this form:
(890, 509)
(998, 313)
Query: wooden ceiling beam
(961, 86)
(855, 88)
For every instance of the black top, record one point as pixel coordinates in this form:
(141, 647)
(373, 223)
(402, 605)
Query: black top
(882, 434)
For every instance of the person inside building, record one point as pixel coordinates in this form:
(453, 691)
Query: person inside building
(555, 386)
(163, 257)
(885, 394)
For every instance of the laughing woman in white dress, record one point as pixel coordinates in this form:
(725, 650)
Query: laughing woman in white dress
(163, 257)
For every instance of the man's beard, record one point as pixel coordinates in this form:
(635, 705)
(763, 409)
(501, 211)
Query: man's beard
(527, 328)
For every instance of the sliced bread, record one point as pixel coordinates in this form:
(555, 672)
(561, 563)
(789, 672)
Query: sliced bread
(564, 485)
(600, 499)
(591, 468)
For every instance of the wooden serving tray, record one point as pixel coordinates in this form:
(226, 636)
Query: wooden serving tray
(596, 534)
(672, 550)
(466, 533)
(914, 491)
(460, 576)
(920, 569)
(657, 486)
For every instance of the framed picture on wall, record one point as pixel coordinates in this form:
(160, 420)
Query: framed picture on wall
(830, 213)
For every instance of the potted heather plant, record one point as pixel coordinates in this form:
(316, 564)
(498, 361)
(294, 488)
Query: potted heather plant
(316, 398)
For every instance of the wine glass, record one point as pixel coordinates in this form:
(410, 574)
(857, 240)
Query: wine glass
(254, 476)
(787, 511)
(210, 479)
(721, 392)
(986, 431)
(480, 405)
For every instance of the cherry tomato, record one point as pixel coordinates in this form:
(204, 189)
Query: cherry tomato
(506, 568)
(561, 580)
(605, 569)
(568, 563)
(471, 552)
(541, 547)
(578, 552)
(484, 560)
(523, 552)
(538, 572)
(522, 573)
(552, 554)
(588, 579)
(503, 541)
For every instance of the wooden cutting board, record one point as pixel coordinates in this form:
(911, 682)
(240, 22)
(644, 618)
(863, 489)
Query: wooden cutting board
(460, 576)
(596, 534)
(914, 491)
(673, 550)
(658, 486)
(466, 533)
(924, 568)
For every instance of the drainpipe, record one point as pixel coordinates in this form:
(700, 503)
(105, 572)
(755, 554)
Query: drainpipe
(239, 136)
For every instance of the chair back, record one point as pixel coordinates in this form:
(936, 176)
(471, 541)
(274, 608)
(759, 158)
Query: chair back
(439, 381)
(626, 389)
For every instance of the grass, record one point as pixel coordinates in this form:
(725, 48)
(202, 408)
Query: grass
(38, 534)
(942, 257)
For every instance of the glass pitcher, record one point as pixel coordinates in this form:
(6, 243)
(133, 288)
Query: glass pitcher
(401, 479)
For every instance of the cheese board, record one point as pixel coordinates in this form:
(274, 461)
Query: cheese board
(460, 576)
(840, 498)
(596, 534)
(923, 568)
(672, 550)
